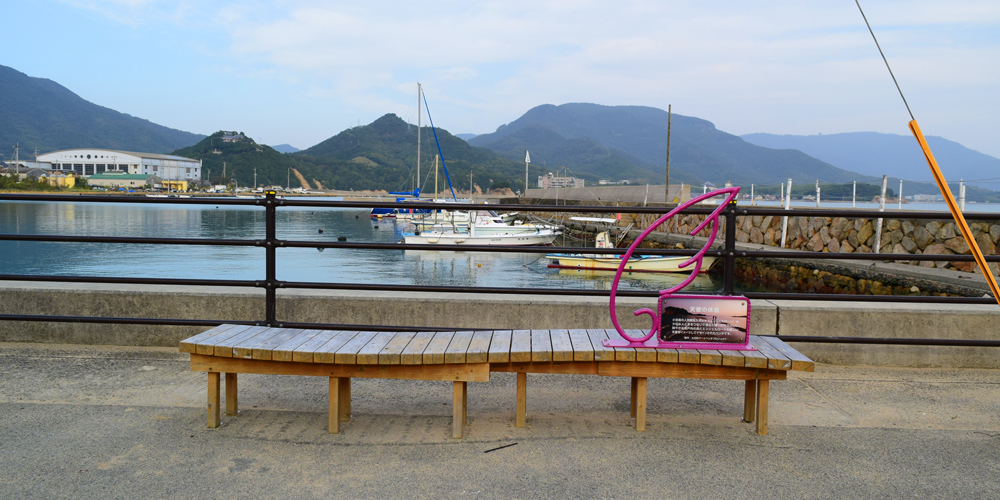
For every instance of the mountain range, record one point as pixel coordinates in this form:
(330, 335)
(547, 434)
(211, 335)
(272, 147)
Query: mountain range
(590, 141)
(890, 154)
(37, 113)
(630, 139)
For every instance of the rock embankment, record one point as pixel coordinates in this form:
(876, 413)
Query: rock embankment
(840, 234)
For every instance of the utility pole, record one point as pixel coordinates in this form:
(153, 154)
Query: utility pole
(255, 178)
(666, 190)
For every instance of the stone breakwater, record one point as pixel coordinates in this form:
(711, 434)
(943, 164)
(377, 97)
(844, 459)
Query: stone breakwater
(840, 234)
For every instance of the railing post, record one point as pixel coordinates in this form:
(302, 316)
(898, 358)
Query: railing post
(729, 270)
(270, 244)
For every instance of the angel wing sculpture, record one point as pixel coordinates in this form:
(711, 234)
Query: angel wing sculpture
(650, 340)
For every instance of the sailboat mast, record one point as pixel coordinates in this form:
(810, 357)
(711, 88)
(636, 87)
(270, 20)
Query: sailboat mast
(666, 193)
(418, 136)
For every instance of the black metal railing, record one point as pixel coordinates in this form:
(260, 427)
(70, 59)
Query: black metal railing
(726, 250)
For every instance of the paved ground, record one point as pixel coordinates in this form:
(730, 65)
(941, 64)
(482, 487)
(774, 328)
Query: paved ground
(105, 422)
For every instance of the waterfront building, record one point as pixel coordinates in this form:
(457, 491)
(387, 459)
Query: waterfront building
(91, 161)
(550, 181)
(121, 179)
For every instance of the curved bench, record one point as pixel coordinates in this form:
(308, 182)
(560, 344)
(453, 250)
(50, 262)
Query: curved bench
(470, 356)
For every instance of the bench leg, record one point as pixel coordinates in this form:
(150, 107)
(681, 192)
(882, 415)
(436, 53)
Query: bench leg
(640, 403)
(522, 399)
(232, 395)
(465, 404)
(213, 400)
(762, 387)
(458, 409)
(749, 401)
(345, 399)
(635, 387)
(334, 410)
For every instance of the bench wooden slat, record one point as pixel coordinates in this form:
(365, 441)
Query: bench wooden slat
(457, 348)
(500, 346)
(754, 359)
(583, 350)
(775, 360)
(245, 349)
(667, 355)
(643, 354)
(799, 360)
(541, 346)
(224, 347)
(392, 353)
(348, 353)
(601, 353)
(368, 355)
(479, 348)
(562, 347)
(413, 354)
(285, 351)
(710, 357)
(688, 356)
(434, 354)
(190, 344)
(323, 347)
(733, 358)
(207, 346)
(623, 353)
(263, 349)
(520, 346)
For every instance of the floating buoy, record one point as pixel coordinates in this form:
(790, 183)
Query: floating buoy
(479, 265)
(320, 231)
(376, 226)
(320, 249)
(341, 238)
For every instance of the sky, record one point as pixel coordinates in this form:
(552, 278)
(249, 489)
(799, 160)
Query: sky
(301, 71)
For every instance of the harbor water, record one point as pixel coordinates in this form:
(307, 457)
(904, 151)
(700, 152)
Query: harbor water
(397, 267)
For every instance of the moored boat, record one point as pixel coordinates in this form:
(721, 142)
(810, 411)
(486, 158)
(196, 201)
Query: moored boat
(609, 262)
(540, 237)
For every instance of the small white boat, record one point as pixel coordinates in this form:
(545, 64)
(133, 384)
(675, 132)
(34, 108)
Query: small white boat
(486, 223)
(609, 262)
(541, 237)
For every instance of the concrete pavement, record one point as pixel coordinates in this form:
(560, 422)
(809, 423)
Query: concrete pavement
(82, 421)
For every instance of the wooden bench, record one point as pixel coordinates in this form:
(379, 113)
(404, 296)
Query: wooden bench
(467, 356)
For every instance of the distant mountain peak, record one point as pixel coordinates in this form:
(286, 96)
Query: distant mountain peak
(40, 113)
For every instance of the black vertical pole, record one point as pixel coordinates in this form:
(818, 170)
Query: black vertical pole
(729, 272)
(270, 242)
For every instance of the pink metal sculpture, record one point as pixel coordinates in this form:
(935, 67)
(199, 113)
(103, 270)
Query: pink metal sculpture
(649, 339)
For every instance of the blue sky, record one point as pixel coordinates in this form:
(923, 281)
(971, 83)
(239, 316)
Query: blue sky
(300, 71)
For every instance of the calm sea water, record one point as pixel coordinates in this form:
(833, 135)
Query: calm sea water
(294, 264)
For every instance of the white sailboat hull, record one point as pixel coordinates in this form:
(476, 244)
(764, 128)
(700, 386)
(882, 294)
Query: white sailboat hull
(545, 237)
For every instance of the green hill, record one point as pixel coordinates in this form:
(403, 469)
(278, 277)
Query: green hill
(698, 149)
(585, 157)
(41, 114)
(383, 155)
(243, 157)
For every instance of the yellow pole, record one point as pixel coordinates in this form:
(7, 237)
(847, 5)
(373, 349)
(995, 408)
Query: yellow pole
(955, 212)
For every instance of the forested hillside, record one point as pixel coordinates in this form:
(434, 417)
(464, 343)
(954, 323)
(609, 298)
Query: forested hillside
(242, 157)
(41, 114)
(698, 149)
(383, 155)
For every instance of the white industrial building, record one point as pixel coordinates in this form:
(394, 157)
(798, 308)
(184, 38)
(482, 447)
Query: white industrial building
(550, 181)
(87, 162)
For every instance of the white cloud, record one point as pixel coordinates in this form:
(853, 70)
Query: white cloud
(779, 66)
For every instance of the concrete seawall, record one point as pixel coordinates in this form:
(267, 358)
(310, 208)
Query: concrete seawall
(467, 311)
